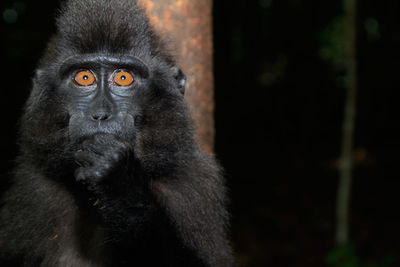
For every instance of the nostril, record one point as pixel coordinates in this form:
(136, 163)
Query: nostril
(101, 116)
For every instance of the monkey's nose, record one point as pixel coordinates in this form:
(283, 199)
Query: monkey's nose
(101, 116)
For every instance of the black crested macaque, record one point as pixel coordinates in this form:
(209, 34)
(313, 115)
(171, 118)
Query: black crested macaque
(109, 172)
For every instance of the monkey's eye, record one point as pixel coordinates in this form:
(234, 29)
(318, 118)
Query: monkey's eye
(123, 78)
(84, 78)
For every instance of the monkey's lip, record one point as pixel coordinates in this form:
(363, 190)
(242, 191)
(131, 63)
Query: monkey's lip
(121, 125)
(82, 137)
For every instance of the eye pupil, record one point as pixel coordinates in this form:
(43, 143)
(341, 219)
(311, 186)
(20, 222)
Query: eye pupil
(84, 78)
(123, 78)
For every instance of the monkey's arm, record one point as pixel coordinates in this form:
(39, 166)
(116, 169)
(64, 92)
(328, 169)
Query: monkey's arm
(196, 205)
(194, 200)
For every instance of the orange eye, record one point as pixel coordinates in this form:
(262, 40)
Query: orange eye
(84, 78)
(123, 78)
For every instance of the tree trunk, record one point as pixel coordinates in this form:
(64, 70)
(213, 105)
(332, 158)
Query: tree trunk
(346, 159)
(187, 24)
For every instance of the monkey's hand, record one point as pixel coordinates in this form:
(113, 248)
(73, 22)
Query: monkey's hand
(108, 169)
(102, 157)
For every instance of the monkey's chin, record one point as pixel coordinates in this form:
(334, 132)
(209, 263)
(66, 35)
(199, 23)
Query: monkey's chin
(79, 138)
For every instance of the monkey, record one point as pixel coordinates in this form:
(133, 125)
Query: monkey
(109, 171)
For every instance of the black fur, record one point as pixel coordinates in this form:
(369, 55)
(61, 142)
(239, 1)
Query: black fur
(133, 190)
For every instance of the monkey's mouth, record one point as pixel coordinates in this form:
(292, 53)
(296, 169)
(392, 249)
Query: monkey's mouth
(122, 126)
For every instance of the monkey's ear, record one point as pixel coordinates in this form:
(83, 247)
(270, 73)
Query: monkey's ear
(38, 73)
(180, 79)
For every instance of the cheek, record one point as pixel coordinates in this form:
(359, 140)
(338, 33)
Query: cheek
(76, 127)
(124, 126)
(76, 106)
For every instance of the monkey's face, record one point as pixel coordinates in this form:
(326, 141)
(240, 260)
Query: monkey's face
(101, 94)
(84, 95)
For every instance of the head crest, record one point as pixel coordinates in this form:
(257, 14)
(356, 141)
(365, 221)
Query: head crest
(110, 25)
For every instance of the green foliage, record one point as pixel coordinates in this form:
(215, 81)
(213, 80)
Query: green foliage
(372, 27)
(237, 42)
(388, 261)
(333, 42)
(12, 14)
(343, 256)
(346, 256)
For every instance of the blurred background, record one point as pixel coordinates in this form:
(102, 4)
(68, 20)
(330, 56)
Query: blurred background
(281, 75)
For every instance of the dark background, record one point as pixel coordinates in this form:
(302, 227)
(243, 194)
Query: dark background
(279, 112)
